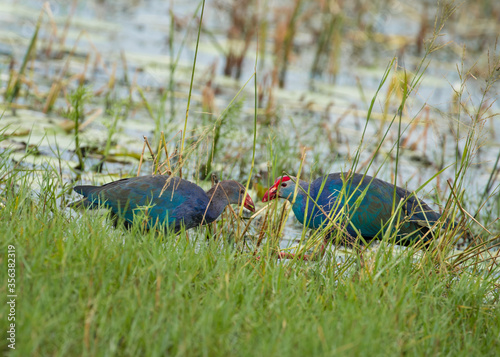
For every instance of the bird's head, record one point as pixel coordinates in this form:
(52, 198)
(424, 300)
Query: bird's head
(235, 193)
(283, 187)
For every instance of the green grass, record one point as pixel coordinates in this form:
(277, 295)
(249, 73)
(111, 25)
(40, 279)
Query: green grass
(85, 288)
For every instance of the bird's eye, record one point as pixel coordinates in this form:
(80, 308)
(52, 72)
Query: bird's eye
(283, 185)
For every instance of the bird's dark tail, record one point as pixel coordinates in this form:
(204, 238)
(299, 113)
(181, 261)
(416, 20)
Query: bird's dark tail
(85, 191)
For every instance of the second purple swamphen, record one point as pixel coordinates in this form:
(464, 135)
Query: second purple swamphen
(182, 203)
(370, 218)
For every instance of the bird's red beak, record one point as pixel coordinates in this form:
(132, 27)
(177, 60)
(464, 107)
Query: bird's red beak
(249, 203)
(271, 194)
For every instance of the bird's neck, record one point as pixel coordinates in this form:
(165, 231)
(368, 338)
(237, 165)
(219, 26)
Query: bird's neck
(217, 202)
(300, 203)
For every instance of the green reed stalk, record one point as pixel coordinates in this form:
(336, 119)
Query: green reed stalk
(190, 89)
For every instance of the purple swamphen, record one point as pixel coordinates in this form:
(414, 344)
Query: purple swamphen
(182, 203)
(369, 216)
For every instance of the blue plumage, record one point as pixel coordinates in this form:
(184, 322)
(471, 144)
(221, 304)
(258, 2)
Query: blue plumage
(340, 196)
(164, 200)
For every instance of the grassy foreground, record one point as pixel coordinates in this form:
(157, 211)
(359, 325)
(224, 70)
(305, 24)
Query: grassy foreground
(84, 288)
